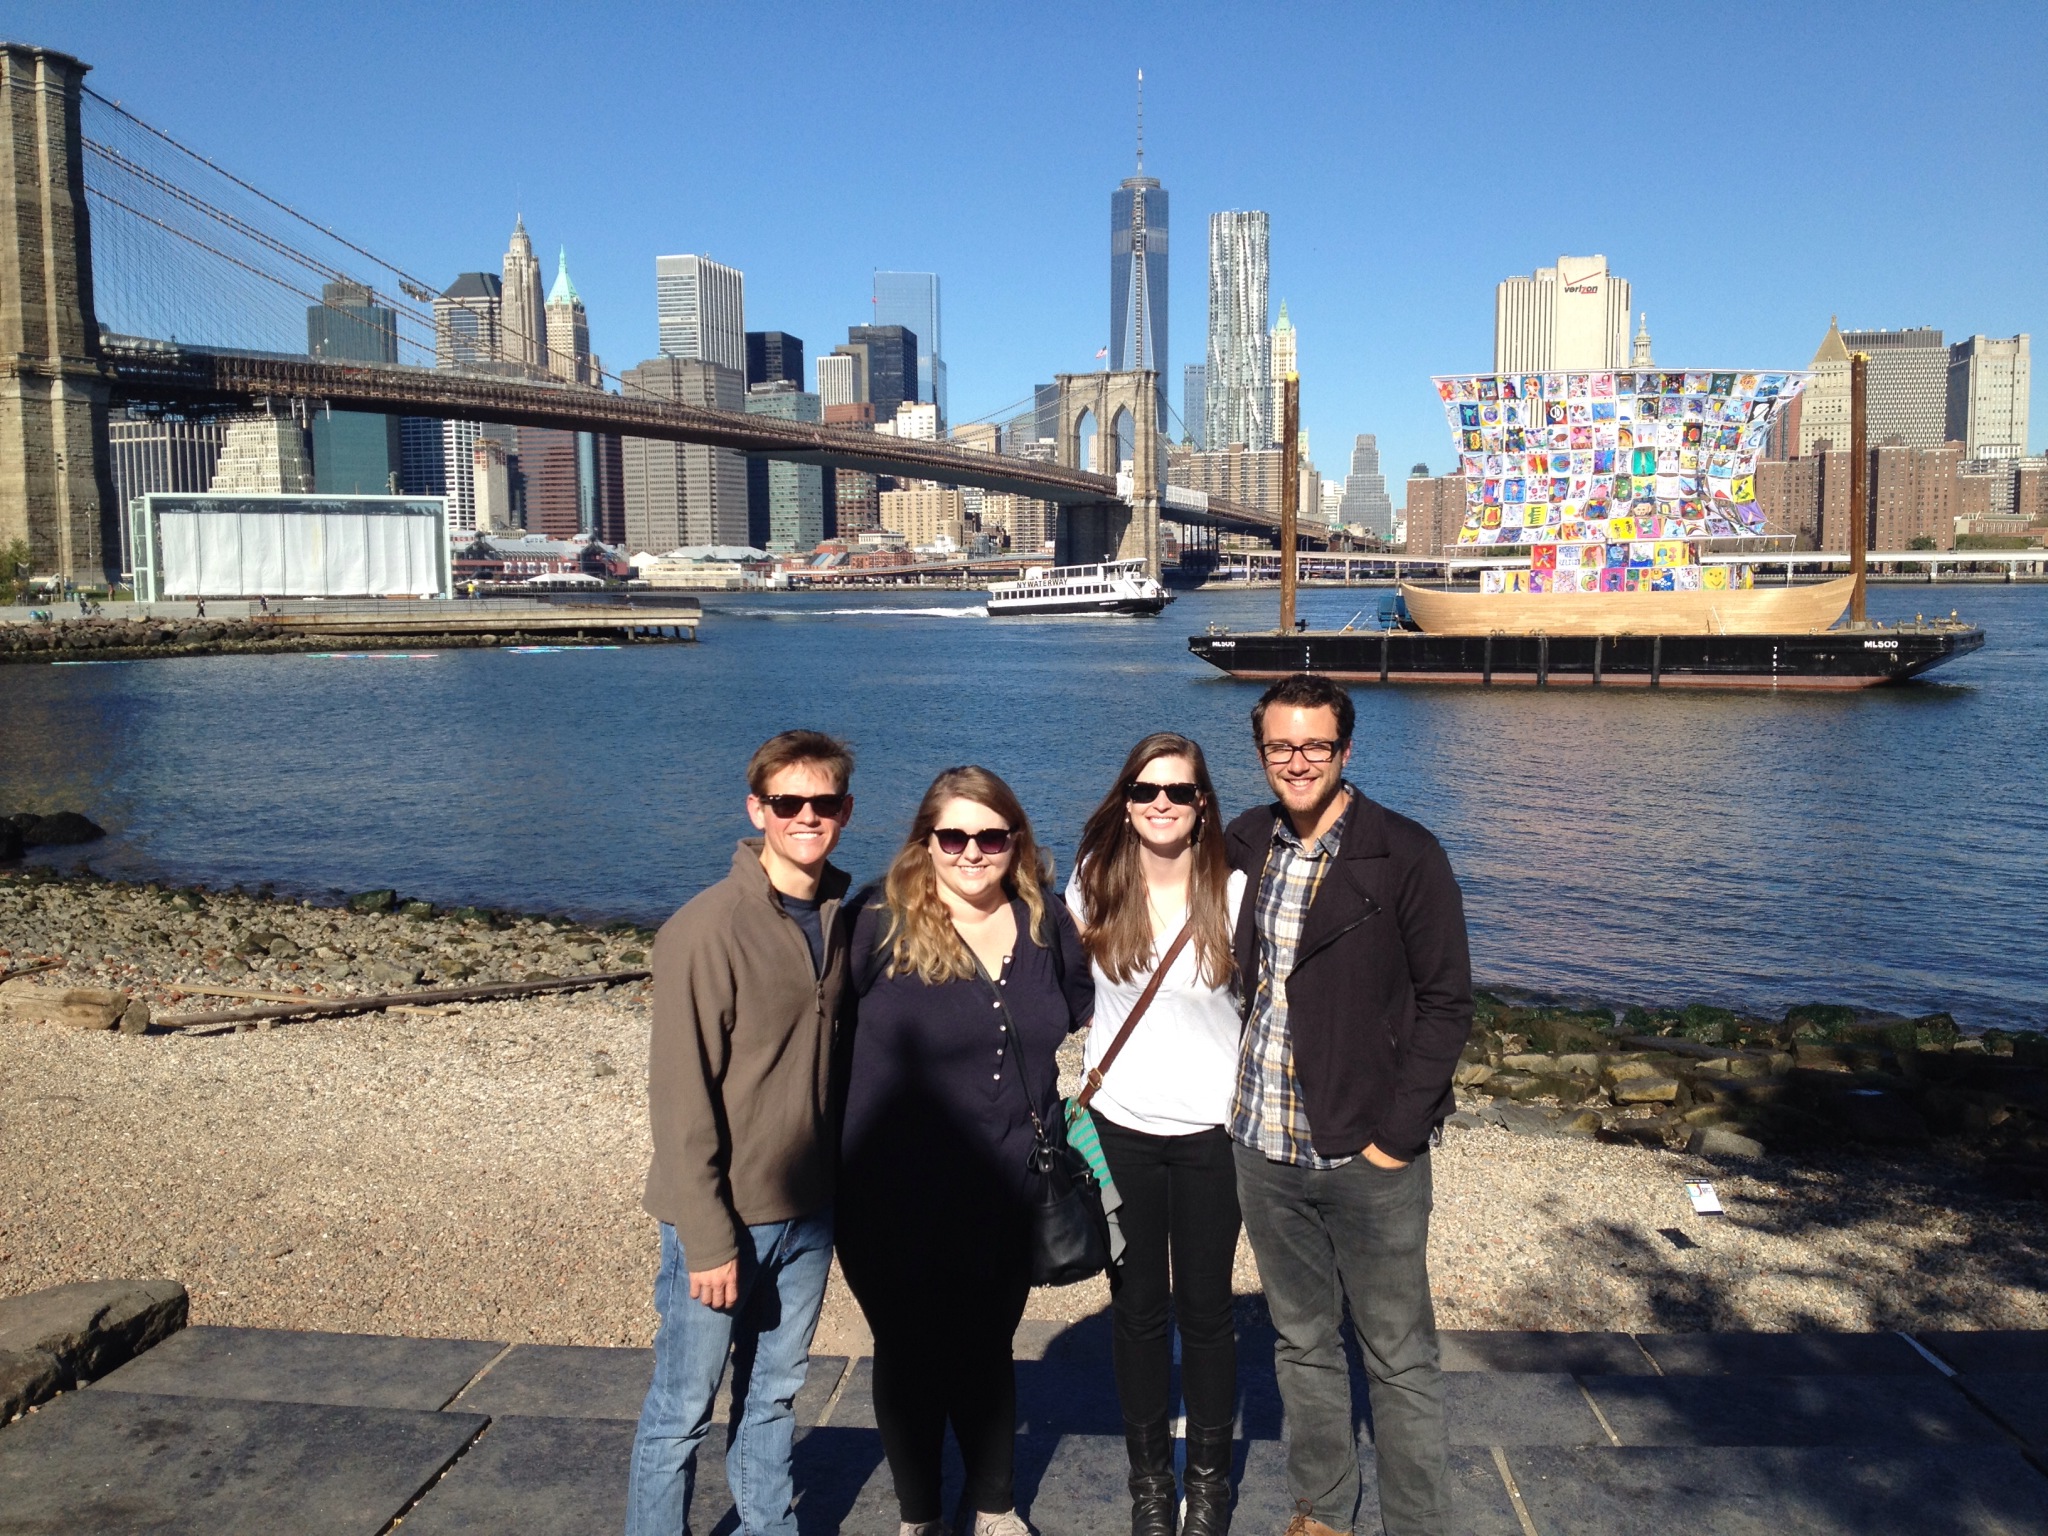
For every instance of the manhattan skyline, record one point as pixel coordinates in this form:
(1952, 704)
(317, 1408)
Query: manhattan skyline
(1391, 223)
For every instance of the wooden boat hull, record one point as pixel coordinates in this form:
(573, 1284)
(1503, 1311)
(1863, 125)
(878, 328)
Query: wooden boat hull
(1834, 659)
(1744, 611)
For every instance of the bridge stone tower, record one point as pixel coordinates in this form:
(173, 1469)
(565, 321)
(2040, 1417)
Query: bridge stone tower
(55, 489)
(1113, 530)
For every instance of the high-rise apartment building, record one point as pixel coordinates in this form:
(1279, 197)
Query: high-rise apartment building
(891, 371)
(548, 468)
(1988, 380)
(568, 329)
(702, 312)
(1824, 404)
(1436, 511)
(153, 453)
(1365, 500)
(1239, 368)
(789, 506)
(774, 357)
(422, 464)
(354, 452)
(1194, 404)
(1138, 261)
(491, 477)
(927, 517)
(468, 321)
(1572, 315)
(913, 418)
(911, 300)
(1250, 477)
(681, 494)
(1908, 390)
(525, 327)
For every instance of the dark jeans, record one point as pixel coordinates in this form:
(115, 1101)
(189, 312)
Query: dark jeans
(942, 1354)
(1179, 1204)
(1356, 1234)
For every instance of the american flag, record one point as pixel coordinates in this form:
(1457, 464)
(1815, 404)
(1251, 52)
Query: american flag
(1103, 353)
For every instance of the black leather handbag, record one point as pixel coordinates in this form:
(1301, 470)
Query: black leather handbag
(1069, 1229)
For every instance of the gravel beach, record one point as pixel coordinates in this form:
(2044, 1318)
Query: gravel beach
(475, 1171)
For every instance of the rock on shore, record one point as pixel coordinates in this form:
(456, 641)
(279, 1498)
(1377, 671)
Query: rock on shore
(141, 639)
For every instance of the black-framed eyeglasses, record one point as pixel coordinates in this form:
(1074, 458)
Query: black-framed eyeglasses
(1278, 752)
(1141, 792)
(990, 840)
(789, 807)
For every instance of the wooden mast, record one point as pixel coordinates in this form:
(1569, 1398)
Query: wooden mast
(1290, 495)
(1859, 493)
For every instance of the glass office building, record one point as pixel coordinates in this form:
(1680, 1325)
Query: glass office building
(911, 300)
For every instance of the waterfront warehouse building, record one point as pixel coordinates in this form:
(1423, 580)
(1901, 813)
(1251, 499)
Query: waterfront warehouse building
(251, 545)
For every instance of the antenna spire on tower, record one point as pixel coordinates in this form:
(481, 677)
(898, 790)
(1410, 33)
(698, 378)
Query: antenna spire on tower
(1141, 122)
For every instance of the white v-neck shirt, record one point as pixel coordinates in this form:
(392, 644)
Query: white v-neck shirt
(1177, 1074)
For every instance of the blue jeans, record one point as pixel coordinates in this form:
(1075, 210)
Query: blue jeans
(782, 1271)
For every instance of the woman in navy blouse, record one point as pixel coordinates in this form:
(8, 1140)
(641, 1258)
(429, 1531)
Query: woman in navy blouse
(934, 1186)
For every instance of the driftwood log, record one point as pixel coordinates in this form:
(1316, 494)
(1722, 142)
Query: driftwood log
(226, 1021)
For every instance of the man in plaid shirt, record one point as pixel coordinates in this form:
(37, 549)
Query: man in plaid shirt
(1358, 999)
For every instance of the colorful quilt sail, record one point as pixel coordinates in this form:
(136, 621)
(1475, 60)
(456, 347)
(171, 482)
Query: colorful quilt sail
(1641, 460)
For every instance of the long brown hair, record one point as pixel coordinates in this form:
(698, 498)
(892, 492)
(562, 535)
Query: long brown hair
(1113, 894)
(921, 938)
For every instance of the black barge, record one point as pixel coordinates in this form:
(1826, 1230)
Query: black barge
(1865, 657)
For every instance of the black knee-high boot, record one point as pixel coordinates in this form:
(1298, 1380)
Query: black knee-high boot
(1208, 1480)
(1154, 1505)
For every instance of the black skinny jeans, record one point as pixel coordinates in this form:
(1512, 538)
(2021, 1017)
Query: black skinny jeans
(1180, 1204)
(942, 1354)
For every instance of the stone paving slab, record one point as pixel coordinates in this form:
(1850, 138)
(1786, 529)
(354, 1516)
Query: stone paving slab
(1992, 1349)
(115, 1463)
(856, 1406)
(1479, 1500)
(1789, 1411)
(2018, 1398)
(574, 1381)
(1522, 1408)
(360, 1370)
(1770, 1491)
(1785, 1354)
(1581, 1354)
(553, 1477)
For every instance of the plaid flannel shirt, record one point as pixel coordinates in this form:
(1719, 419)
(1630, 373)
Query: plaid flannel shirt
(1268, 1115)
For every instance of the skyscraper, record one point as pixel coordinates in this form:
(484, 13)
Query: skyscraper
(1908, 393)
(468, 317)
(1824, 407)
(788, 505)
(354, 452)
(842, 377)
(701, 307)
(1138, 252)
(680, 494)
(1639, 354)
(774, 357)
(568, 328)
(911, 300)
(1572, 315)
(1988, 378)
(1366, 501)
(1239, 367)
(422, 470)
(1284, 359)
(891, 365)
(1194, 404)
(525, 330)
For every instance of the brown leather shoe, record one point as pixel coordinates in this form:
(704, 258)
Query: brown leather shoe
(1306, 1524)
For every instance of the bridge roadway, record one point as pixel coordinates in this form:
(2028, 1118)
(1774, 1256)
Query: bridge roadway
(164, 373)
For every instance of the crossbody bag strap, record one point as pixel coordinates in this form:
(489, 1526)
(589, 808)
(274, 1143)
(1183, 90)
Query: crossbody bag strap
(1010, 1038)
(1095, 1073)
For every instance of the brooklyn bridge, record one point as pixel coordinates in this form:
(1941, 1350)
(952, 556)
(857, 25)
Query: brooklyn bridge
(116, 240)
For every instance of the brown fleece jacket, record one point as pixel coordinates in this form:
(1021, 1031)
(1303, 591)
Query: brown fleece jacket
(740, 1061)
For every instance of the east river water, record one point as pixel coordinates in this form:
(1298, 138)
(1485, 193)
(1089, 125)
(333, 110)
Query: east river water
(1886, 848)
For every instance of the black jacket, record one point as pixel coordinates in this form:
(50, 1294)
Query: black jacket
(1379, 1004)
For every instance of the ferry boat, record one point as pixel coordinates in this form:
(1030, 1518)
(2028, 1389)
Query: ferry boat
(1117, 586)
(1601, 491)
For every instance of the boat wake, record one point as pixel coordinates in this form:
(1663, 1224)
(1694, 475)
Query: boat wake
(971, 611)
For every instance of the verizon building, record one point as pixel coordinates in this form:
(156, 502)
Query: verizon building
(1572, 315)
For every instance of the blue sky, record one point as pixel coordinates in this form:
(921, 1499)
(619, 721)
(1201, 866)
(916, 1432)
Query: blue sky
(1750, 168)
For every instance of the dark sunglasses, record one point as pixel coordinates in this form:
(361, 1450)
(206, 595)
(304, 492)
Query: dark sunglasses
(789, 807)
(1139, 792)
(953, 842)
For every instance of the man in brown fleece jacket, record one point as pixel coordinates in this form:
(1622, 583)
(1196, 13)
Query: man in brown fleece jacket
(747, 978)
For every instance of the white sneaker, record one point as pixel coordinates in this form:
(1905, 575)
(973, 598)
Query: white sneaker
(1008, 1523)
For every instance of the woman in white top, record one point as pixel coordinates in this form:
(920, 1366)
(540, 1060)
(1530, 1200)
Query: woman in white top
(1151, 864)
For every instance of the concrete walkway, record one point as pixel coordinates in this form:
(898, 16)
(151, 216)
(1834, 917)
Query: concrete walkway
(232, 1431)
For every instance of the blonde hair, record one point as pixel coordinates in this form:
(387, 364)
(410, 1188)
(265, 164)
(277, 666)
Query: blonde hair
(921, 938)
